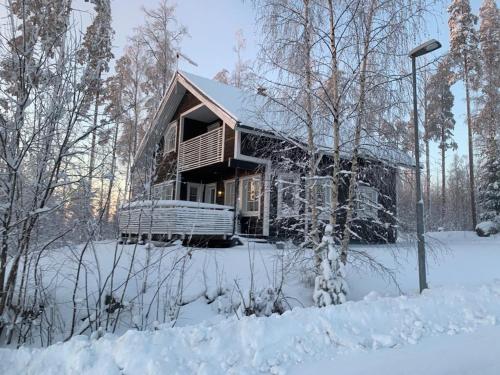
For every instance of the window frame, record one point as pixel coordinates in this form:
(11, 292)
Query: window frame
(366, 207)
(226, 197)
(167, 147)
(208, 188)
(243, 201)
(199, 192)
(161, 188)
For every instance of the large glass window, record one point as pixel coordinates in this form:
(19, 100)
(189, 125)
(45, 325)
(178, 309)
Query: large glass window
(163, 191)
(366, 202)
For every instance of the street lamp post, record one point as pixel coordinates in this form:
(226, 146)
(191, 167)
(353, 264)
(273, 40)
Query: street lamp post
(421, 50)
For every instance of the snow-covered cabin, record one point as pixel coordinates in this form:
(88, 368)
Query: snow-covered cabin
(217, 162)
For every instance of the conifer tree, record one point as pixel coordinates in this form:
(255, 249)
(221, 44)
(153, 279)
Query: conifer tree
(440, 120)
(464, 54)
(96, 53)
(487, 120)
(489, 42)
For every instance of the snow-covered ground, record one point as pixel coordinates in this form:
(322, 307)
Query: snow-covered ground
(466, 354)
(302, 340)
(384, 321)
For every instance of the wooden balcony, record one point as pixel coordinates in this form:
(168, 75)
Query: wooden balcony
(171, 217)
(202, 150)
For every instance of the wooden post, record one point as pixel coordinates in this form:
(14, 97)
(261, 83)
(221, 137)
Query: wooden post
(236, 191)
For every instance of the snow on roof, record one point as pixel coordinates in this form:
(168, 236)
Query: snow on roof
(249, 109)
(239, 104)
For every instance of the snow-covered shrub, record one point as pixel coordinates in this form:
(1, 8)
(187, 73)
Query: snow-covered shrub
(264, 302)
(221, 300)
(225, 304)
(489, 227)
(330, 286)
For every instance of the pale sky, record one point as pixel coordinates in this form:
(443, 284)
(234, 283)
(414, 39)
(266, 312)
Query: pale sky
(212, 25)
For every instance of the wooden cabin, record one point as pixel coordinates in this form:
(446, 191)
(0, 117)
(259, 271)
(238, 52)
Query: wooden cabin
(211, 166)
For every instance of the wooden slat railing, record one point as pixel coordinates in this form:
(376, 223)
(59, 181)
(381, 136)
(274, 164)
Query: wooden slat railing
(170, 217)
(201, 151)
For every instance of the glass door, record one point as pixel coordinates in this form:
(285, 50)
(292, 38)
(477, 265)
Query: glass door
(194, 192)
(210, 193)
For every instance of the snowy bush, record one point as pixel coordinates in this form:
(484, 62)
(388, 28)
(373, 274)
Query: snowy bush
(265, 302)
(330, 286)
(489, 227)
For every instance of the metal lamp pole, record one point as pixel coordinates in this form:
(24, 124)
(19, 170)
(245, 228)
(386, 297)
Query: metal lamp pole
(424, 48)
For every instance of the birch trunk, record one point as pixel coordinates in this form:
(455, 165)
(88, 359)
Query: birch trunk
(357, 135)
(312, 201)
(336, 120)
(443, 177)
(93, 143)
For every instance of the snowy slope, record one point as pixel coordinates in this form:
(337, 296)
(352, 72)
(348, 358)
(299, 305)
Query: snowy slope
(276, 344)
(467, 354)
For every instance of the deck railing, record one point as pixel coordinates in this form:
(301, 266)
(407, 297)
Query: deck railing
(170, 217)
(202, 150)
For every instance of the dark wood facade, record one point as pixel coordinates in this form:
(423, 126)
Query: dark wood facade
(250, 152)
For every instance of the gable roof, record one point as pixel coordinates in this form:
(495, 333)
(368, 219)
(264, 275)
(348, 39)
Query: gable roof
(251, 110)
(233, 100)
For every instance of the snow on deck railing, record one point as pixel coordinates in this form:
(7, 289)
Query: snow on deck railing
(173, 217)
(173, 203)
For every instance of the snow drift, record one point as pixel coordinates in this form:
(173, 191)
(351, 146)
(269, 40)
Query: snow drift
(271, 345)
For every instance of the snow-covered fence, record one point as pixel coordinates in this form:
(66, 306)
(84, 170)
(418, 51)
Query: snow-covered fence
(172, 217)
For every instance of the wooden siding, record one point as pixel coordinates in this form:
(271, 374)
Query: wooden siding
(188, 101)
(229, 142)
(376, 174)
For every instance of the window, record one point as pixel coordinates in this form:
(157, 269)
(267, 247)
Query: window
(366, 202)
(163, 190)
(288, 191)
(210, 193)
(229, 193)
(250, 193)
(170, 138)
(194, 192)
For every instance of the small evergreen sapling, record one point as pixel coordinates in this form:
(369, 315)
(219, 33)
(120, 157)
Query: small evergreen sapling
(330, 286)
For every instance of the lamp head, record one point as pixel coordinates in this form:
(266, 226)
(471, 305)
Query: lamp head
(429, 46)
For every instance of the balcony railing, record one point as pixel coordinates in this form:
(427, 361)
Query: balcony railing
(171, 217)
(202, 150)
